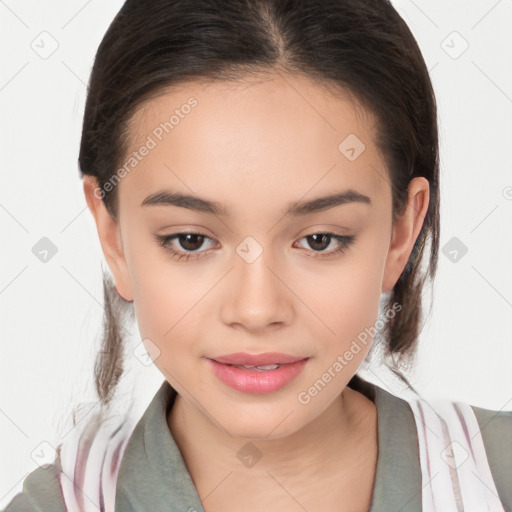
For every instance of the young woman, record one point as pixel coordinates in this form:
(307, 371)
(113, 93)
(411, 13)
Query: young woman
(264, 178)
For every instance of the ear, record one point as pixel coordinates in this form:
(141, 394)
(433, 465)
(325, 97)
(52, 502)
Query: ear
(110, 237)
(405, 232)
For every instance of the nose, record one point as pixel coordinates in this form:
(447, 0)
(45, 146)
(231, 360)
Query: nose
(257, 298)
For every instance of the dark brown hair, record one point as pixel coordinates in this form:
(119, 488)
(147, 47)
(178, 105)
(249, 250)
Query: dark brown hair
(360, 46)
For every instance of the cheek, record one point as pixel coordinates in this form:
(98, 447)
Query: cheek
(170, 298)
(165, 312)
(162, 288)
(344, 297)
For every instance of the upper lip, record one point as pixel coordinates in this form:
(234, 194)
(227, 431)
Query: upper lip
(257, 359)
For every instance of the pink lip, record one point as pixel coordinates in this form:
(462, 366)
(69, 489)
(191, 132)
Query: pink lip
(257, 359)
(253, 381)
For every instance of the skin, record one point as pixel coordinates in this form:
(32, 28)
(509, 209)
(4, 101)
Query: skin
(257, 146)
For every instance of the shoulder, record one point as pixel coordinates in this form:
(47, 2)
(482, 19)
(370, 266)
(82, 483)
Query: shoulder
(481, 444)
(496, 430)
(494, 423)
(91, 453)
(41, 491)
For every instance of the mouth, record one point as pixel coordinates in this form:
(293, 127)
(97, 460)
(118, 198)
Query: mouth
(261, 368)
(242, 359)
(257, 373)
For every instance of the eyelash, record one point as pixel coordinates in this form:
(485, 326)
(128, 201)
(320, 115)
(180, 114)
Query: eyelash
(166, 240)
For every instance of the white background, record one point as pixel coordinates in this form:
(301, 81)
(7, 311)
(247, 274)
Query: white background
(51, 312)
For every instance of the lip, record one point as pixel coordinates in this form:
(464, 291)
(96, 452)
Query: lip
(257, 359)
(257, 382)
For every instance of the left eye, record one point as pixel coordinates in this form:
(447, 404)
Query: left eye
(321, 239)
(190, 242)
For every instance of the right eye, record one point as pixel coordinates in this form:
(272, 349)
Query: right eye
(189, 241)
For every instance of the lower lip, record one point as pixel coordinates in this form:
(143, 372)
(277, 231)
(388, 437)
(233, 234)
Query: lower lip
(254, 381)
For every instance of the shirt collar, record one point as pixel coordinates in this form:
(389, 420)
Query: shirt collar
(153, 475)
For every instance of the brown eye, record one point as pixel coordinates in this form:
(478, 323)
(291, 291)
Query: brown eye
(319, 242)
(183, 245)
(190, 241)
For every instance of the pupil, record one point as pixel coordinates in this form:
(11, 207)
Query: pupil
(188, 242)
(323, 237)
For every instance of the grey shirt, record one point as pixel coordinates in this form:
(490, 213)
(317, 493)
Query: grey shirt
(153, 476)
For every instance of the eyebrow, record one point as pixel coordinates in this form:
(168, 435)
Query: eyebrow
(295, 209)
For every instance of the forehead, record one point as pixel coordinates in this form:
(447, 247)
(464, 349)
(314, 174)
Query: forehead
(273, 136)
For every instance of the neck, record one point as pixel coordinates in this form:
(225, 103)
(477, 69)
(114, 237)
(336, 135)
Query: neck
(333, 439)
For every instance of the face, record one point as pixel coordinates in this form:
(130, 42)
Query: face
(284, 245)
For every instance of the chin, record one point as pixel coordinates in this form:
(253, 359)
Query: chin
(266, 431)
(260, 422)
